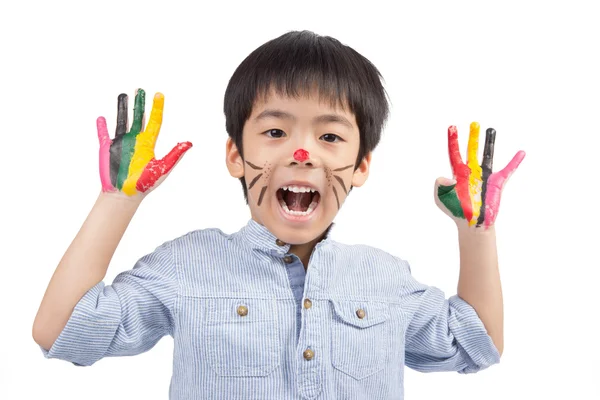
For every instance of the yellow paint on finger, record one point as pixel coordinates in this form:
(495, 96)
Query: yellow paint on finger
(156, 116)
(144, 146)
(475, 180)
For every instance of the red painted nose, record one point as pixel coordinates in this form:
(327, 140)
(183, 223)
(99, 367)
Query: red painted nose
(300, 155)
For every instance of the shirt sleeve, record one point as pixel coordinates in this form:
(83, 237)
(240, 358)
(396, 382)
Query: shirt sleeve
(444, 334)
(125, 318)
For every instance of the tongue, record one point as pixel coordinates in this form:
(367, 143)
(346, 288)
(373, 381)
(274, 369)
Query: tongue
(298, 201)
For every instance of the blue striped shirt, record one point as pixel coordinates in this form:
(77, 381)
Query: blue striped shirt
(249, 323)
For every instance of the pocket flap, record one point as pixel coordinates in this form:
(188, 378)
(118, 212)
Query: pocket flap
(350, 312)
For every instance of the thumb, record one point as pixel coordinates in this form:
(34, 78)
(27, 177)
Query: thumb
(446, 197)
(157, 170)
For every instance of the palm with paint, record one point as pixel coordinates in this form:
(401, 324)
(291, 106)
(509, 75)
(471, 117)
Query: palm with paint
(474, 195)
(127, 162)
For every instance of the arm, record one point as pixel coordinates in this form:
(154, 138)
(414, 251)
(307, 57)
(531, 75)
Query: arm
(479, 279)
(443, 334)
(472, 201)
(84, 264)
(128, 172)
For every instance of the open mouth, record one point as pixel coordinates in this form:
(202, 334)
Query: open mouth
(298, 200)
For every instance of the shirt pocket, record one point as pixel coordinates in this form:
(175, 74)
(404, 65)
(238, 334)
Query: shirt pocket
(360, 337)
(242, 338)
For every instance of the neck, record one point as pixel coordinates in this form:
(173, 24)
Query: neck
(304, 251)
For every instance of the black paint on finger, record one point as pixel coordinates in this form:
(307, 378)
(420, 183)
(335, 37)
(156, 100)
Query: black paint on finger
(121, 115)
(486, 169)
(117, 144)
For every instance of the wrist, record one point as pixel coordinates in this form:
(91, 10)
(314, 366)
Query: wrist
(466, 232)
(120, 200)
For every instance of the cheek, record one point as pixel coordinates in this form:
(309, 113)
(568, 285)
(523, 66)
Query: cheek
(338, 183)
(257, 177)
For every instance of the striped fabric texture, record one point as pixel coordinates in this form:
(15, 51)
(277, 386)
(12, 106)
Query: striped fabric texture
(242, 327)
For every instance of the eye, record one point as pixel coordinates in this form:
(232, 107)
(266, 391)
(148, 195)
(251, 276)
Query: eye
(331, 138)
(275, 133)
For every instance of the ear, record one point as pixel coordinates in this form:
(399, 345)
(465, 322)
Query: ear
(362, 172)
(235, 163)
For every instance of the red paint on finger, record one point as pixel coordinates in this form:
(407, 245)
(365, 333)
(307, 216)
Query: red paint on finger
(155, 169)
(453, 149)
(461, 173)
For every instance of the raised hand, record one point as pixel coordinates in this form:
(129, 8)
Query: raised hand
(474, 195)
(127, 162)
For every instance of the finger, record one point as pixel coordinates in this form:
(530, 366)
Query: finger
(486, 169)
(103, 137)
(105, 141)
(473, 145)
(447, 198)
(153, 129)
(116, 149)
(122, 121)
(453, 149)
(488, 150)
(157, 169)
(138, 111)
(502, 176)
(475, 175)
(495, 184)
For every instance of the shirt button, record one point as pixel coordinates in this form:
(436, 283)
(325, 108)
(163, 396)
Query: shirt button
(360, 313)
(280, 242)
(308, 354)
(242, 311)
(307, 303)
(288, 259)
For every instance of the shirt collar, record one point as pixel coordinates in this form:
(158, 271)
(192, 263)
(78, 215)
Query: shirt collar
(258, 237)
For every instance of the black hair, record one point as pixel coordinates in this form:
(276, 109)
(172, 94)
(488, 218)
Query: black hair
(297, 62)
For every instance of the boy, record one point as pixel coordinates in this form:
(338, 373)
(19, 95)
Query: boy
(278, 310)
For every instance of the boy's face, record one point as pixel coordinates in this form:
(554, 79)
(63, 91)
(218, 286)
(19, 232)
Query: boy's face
(299, 158)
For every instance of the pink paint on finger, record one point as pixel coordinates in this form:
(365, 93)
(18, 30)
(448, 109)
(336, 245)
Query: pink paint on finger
(503, 175)
(104, 155)
(495, 183)
(156, 169)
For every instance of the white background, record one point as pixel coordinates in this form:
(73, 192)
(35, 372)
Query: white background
(529, 69)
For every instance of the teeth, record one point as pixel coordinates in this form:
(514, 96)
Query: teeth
(310, 209)
(298, 189)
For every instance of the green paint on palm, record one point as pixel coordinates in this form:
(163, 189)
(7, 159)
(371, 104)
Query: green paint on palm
(449, 198)
(130, 138)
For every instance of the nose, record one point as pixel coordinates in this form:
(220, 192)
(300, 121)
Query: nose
(302, 157)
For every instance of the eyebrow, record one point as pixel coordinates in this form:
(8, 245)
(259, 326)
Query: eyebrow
(323, 118)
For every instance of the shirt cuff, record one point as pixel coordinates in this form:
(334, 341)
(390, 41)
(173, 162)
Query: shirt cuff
(90, 328)
(472, 337)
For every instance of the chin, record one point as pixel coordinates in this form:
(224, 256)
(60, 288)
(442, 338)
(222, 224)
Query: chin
(297, 237)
